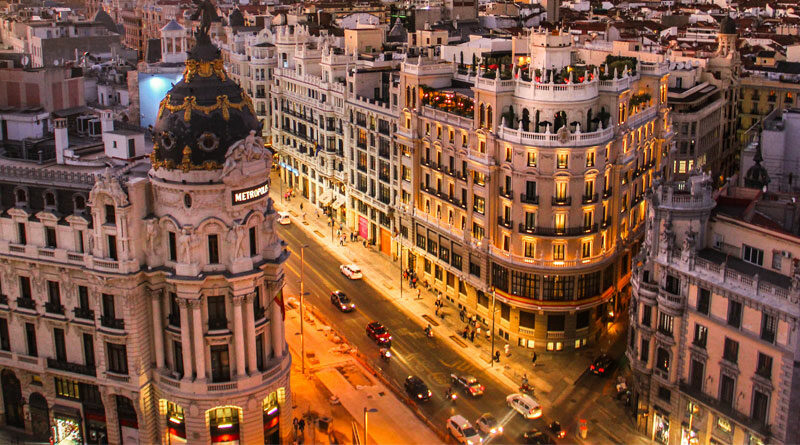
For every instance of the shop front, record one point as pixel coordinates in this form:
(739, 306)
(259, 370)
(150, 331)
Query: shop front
(386, 242)
(661, 428)
(176, 424)
(363, 227)
(223, 425)
(96, 433)
(67, 425)
(272, 414)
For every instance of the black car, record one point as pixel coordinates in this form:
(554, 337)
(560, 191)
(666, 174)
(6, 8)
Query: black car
(536, 437)
(601, 365)
(417, 389)
(341, 301)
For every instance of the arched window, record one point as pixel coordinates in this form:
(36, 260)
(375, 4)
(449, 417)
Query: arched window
(22, 196)
(79, 202)
(414, 97)
(489, 120)
(49, 199)
(482, 117)
(408, 96)
(526, 119)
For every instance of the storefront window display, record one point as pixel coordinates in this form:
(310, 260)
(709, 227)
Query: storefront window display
(223, 425)
(661, 428)
(689, 436)
(67, 430)
(271, 419)
(176, 424)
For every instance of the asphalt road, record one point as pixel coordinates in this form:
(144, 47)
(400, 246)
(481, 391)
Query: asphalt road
(433, 360)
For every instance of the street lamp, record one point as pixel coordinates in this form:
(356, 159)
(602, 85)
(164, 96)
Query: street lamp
(302, 301)
(400, 246)
(494, 307)
(366, 411)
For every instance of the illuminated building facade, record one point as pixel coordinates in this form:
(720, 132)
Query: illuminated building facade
(142, 302)
(527, 183)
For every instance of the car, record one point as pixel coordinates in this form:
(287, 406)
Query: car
(601, 365)
(487, 424)
(378, 333)
(536, 437)
(417, 389)
(342, 301)
(468, 384)
(556, 430)
(525, 405)
(351, 271)
(283, 218)
(462, 431)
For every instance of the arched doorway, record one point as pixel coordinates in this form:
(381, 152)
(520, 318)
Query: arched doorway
(40, 417)
(12, 399)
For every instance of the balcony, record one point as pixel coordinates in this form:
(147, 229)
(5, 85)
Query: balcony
(74, 368)
(526, 199)
(589, 199)
(54, 307)
(113, 323)
(506, 193)
(726, 409)
(26, 303)
(504, 222)
(557, 231)
(561, 200)
(84, 313)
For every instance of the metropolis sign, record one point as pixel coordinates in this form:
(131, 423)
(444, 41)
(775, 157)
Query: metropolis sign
(250, 194)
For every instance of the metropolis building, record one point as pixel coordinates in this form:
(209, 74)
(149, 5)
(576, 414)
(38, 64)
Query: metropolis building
(141, 301)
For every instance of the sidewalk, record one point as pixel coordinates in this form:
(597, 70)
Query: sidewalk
(554, 373)
(336, 386)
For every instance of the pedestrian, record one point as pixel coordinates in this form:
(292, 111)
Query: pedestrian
(488, 334)
(419, 294)
(302, 425)
(533, 360)
(507, 349)
(365, 243)
(414, 282)
(301, 206)
(472, 336)
(341, 241)
(295, 425)
(497, 356)
(436, 312)
(479, 331)
(405, 275)
(461, 314)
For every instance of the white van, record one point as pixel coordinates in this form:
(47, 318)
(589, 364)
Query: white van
(525, 405)
(283, 218)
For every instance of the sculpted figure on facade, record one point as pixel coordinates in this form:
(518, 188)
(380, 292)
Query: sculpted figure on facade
(236, 238)
(151, 226)
(186, 242)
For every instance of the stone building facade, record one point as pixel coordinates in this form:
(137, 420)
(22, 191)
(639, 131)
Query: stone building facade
(713, 339)
(143, 304)
(528, 185)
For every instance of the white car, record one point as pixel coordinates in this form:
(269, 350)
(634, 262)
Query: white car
(462, 430)
(283, 218)
(525, 405)
(487, 424)
(351, 271)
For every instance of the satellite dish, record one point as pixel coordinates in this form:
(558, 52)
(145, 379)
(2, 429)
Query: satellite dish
(25, 60)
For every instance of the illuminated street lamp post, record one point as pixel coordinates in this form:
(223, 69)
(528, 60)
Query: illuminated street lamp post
(302, 315)
(494, 307)
(366, 411)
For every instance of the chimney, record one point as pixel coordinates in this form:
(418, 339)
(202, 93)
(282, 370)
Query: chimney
(62, 139)
(106, 121)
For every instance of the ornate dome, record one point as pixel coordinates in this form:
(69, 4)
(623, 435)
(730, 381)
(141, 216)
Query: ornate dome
(757, 176)
(202, 115)
(727, 26)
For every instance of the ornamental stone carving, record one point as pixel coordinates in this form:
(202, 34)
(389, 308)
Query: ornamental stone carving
(109, 185)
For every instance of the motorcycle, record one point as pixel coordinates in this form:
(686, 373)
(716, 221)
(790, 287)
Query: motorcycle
(429, 332)
(385, 353)
(526, 388)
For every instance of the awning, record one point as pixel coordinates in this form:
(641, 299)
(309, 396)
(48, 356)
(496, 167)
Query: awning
(325, 199)
(339, 202)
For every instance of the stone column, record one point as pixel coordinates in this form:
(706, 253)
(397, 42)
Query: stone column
(199, 341)
(250, 333)
(238, 335)
(158, 329)
(276, 323)
(186, 344)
